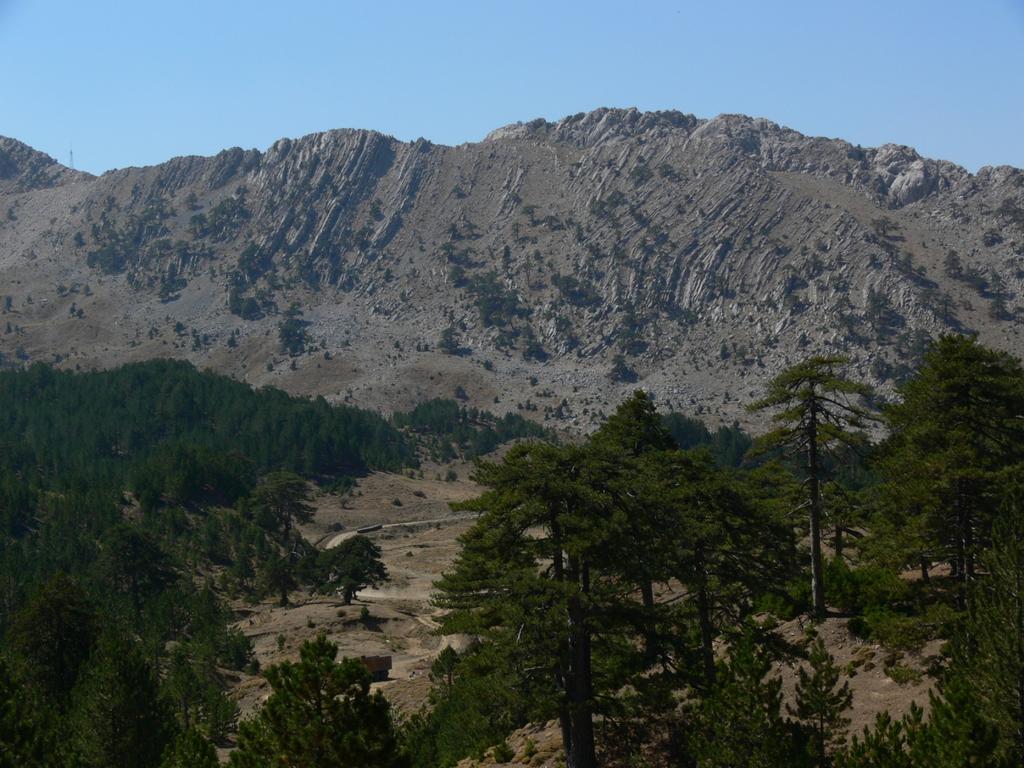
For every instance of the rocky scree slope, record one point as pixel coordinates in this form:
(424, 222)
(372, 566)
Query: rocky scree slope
(549, 268)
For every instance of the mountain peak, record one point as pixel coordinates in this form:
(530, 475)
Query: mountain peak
(23, 169)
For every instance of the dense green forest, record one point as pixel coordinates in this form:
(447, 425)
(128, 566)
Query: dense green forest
(628, 586)
(467, 431)
(134, 504)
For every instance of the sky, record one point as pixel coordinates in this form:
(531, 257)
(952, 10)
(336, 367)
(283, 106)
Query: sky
(136, 83)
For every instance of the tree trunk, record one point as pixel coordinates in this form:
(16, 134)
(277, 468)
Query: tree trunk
(925, 576)
(838, 542)
(347, 595)
(707, 635)
(650, 631)
(960, 572)
(1018, 597)
(817, 584)
(579, 752)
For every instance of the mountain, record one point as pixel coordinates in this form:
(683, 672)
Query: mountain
(549, 268)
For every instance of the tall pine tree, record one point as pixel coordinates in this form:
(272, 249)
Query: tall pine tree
(820, 410)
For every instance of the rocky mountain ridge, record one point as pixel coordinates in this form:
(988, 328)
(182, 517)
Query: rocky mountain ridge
(549, 268)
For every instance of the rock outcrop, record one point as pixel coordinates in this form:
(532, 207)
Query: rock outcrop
(563, 262)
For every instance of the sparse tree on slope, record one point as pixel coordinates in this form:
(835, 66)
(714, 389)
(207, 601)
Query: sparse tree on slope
(353, 565)
(819, 410)
(739, 722)
(820, 705)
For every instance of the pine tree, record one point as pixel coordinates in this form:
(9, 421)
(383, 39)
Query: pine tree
(888, 744)
(536, 572)
(118, 719)
(134, 564)
(55, 634)
(957, 733)
(443, 669)
(634, 430)
(281, 500)
(321, 714)
(277, 577)
(989, 651)
(954, 736)
(190, 750)
(958, 424)
(820, 705)
(708, 534)
(24, 742)
(351, 566)
(740, 723)
(819, 412)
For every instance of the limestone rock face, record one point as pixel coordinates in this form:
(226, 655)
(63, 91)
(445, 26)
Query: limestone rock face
(567, 262)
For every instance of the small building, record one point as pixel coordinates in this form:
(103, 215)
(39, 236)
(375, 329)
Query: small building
(379, 667)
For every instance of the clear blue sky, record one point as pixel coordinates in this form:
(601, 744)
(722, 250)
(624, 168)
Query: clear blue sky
(134, 83)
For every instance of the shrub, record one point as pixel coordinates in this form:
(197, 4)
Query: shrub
(503, 753)
(863, 588)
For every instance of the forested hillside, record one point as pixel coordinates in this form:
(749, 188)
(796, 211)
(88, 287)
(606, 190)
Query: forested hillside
(632, 587)
(136, 504)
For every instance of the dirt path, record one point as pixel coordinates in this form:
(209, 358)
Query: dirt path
(332, 543)
(418, 543)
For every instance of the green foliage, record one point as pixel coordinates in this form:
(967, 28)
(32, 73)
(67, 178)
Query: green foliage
(740, 721)
(291, 332)
(280, 501)
(579, 293)
(134, 564)
(989, 649)
(957, 426)
(469, 431)
(449, 343)
(864, 588)
(126, 414)
(816, 410)
(502, 752)
(321, 714)
(190, 750)
(118, 719)
(277, 577)
(728, 445)
(224, 220)
(352, 565)
(119, 248)
(893, 630)
(820, 705)
(24, 742)
(54, 635)
(621, 370)
(481, 705)
(890, 744)
(558, 573)
(498, 305)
